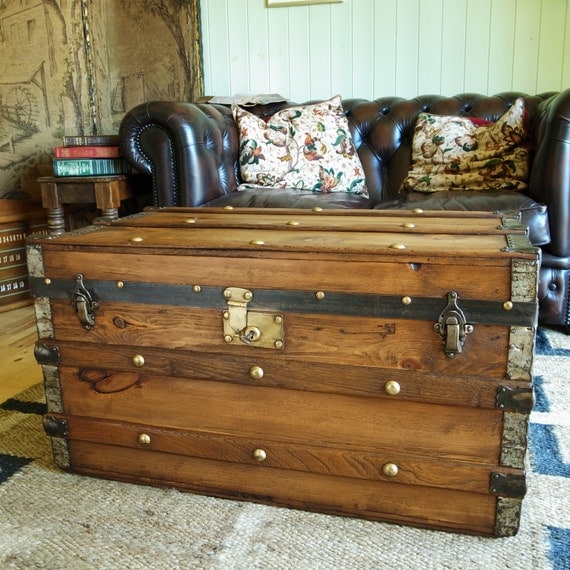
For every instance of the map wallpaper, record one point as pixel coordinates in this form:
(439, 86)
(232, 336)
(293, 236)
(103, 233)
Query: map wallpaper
(72, 67)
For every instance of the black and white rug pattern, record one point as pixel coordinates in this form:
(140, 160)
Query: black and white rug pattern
(55, 520)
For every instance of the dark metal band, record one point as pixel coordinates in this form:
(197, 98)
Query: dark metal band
(353, 304)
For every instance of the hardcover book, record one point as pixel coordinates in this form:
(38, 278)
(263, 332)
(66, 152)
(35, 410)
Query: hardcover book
(87, 151)
(91, 140)
(90, 166)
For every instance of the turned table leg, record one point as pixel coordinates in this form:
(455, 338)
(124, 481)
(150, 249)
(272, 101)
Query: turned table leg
(55, 221)
(54, 210)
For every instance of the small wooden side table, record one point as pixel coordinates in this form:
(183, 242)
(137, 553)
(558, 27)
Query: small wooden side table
(106, 192)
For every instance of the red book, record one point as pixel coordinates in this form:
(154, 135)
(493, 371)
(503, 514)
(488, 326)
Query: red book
(86, 152)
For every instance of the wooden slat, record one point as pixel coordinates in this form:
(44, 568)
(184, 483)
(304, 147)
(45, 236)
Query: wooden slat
(337, 461)
(404, 504)
(466, 434)
(327, 339)
(405, 277)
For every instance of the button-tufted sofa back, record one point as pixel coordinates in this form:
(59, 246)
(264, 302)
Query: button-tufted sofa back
(383, 129)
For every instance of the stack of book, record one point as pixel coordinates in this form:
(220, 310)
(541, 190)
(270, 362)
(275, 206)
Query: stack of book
(90, 155)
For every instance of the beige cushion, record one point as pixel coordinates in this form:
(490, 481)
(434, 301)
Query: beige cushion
(458, 153)
(304, 147)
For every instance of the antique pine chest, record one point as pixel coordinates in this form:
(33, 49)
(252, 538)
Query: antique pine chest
(358, 363)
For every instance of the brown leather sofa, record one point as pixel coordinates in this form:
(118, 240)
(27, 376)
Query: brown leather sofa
(191, 153)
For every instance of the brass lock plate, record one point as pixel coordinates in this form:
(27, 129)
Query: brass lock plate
(251, 328)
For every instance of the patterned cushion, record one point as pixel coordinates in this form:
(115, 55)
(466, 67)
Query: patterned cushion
(305, 147)
(458, 153)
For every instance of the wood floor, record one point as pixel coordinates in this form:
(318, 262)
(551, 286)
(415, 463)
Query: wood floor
(18, 368)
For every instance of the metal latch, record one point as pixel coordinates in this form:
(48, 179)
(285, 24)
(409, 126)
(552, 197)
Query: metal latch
(452, 326)
(252, 328)
(84, 303)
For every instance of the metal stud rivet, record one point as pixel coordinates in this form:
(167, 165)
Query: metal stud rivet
(508, 305)
(409, 225)
(397, 246)
(120, 284)
(196, 288)
(144, 439)
(317, 209)
(278, 344)
(228, 207)
(138, 360)
(392, 388)
(417, 211)
(320, 295)
(293, 223)
(190, 221)
(228, 338)
(406, 300)
(259, 455)
(390, 469)
(47, 281)
(136, 239)
(256, 372)
(256, 242)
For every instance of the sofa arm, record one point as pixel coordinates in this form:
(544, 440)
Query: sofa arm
(550, 176)
(190, 150)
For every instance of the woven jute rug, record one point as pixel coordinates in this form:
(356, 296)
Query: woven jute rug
(54, 520)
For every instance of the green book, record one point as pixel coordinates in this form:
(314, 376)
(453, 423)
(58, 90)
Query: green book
(90, 166)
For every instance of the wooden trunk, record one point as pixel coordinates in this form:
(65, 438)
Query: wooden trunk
(368, 364)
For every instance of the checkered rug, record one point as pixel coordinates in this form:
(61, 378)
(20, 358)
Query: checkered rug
(54, 520)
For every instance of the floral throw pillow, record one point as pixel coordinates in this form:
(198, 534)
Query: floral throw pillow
(458, 153)
(304, 147)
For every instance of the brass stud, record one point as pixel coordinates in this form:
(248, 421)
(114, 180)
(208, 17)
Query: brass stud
(256, 242)
(136, 239)
(278, 344)
(390, 469)
(320, 295)
(508, 305)
(259, 455)
(397, 246)
(47, 281)
(144, 439)
(293, 223)
(228, 293)
(226, 315)
(317, 209)
(138, 360)
(392, 388)
(256, 372)
(417, 211)
(120, 284)
(248, 295)
(278, 319)
(228, 338)
(190, 221)
(228, 207)
(406, 300)
(409, 225)
(196, 288)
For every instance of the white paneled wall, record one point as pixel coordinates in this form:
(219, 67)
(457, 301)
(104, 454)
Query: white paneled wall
(372, 48)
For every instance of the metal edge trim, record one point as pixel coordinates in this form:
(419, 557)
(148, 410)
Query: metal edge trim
(508, 516)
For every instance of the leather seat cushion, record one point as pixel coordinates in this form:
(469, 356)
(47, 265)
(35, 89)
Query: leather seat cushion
(290, 198)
